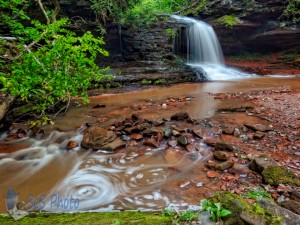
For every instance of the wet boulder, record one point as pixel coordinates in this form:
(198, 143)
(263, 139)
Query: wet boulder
(96, 137)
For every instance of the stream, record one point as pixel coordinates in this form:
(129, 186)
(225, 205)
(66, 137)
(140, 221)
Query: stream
(47, 177)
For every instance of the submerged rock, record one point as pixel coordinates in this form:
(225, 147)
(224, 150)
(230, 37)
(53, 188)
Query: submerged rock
(172, 156)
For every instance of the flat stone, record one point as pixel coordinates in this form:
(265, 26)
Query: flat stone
(150, 131)
(151, 142)
(220, 155)
(141, 127)
(211, 164)
(218, 144)
(198, 133)
(213, 174)
(291, 205)
(262, 162)
(113, 146)
(190, 147)
(224, 165)
(172, 156)
(136, 136)
(183, 115)
(259, 135)
(259, 127)
(228, 130)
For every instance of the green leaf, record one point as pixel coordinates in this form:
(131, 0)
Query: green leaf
(225, 212)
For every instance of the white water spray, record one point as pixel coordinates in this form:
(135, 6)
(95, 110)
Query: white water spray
(204, 53)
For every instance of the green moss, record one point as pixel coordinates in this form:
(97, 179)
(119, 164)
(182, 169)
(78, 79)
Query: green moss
(90, 218)
(160, 82)
(279, 175)
(146, 82)
(228, 20)
(237, 205)
(171, 33)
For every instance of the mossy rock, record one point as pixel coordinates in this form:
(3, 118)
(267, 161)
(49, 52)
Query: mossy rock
(279, 175)
(234, 203)
(243, 213)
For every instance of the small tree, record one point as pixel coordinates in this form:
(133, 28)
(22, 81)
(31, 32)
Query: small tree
(45, 63)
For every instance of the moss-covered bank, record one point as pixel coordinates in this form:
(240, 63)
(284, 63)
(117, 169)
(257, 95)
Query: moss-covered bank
(90, 218)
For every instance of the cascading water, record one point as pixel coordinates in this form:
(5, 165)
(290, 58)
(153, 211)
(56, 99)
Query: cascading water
(204, 53)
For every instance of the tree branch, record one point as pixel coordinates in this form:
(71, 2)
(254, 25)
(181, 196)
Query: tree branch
(44, 11)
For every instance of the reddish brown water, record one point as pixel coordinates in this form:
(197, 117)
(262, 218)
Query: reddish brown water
(127, 179)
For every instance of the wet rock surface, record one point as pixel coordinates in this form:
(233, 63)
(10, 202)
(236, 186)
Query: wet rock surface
(97, 137)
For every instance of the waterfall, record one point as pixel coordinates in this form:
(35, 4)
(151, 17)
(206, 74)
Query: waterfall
(203, 51)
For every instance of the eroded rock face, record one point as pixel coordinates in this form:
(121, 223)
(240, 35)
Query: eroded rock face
(96, 137)
(258, 29)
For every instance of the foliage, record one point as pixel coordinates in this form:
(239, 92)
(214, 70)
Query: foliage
(292, 11)
(214, 209)
(160, 82)
(171, 32)
(184, 216)
(228, 20)
(146, 82)
(139, 12)
(258, 194)
(47, 63)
